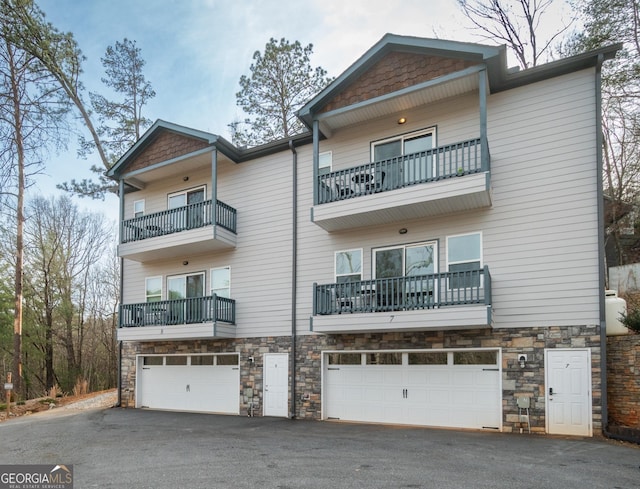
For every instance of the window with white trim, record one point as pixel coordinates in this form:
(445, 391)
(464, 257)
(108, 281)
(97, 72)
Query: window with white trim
(153, 289)
(221, 282)
(464, 253)
(348, 266)
(138, 208)
(324, 162)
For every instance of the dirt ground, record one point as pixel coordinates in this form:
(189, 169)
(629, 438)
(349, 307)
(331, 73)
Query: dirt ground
(94, 399)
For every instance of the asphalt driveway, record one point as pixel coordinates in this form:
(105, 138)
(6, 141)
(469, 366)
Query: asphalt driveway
(128, 448)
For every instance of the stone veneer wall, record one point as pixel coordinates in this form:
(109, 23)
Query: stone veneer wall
(516, 381)
(623, 380)
(250, 374)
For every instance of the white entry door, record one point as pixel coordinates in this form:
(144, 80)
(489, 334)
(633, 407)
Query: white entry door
(568, 391)
(276, 384)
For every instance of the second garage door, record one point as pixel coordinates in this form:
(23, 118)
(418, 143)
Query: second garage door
(202, 383)
(443, 388)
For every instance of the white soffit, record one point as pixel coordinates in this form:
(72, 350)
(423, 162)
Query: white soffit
(383, 106)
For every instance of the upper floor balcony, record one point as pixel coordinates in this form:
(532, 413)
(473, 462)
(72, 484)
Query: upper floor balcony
(178, 319)
(449, 300)
(443, 180)
(184, 230)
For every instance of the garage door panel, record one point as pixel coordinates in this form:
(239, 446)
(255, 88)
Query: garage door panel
(417, 376)
(392, 376)
(201, 388)
(438, 396)
(439, 377)
(462, 378)
(437, 417)
(418, 394)
(483, 398)
(486, 378)
(461, 396)
(373, 395)
(350, 375)
(373, 376)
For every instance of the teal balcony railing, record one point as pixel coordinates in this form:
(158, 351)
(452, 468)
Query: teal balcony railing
(453, 160)
(171, 221)
(404, 293)
(180, 311)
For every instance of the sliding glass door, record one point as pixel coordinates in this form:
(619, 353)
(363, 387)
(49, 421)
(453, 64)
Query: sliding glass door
(185, 290)
(397, 267)
(405, 154)
(190, 216)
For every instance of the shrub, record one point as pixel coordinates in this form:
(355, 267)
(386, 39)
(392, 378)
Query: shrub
(631, 320)
(81, 387)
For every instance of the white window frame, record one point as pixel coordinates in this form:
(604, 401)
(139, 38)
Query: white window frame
(335, 263)
(449, 262)
(185, 192)
(185, 275)
(433, 242)
(403, 137)
(228, 268)
(138, 213)
(329, 156)
(458, 262)
(146, 287)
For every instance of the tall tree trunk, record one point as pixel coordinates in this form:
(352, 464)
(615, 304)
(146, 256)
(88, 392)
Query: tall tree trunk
(48, 347)
(17, 321)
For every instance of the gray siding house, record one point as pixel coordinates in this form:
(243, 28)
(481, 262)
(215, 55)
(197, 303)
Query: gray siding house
(429, 253)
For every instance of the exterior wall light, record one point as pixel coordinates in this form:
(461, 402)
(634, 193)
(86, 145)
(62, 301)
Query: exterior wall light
(402, 120)
(185, 263)
(185, 179)
(403, 231)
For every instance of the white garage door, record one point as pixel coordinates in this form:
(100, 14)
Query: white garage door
(458, 389)
(203, 383)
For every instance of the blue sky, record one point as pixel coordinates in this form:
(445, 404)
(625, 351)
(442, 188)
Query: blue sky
(197, 50)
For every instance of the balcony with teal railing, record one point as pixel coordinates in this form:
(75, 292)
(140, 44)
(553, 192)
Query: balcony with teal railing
(446, 179)
(189, 318)
(188, 229)
(449, 300)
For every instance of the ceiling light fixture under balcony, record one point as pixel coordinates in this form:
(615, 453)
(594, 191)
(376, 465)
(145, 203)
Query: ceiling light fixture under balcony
(402, 120)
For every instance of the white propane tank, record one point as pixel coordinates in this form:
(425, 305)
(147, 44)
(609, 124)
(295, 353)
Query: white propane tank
(614, 307)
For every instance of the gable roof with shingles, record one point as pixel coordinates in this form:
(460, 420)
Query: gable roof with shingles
(395, 71)
(393, 56)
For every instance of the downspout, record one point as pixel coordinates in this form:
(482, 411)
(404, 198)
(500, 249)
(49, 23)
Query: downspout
(294, 280)
(214, 192)
(120, 227)
(602, 277)
(601, 264)
(484, 145)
